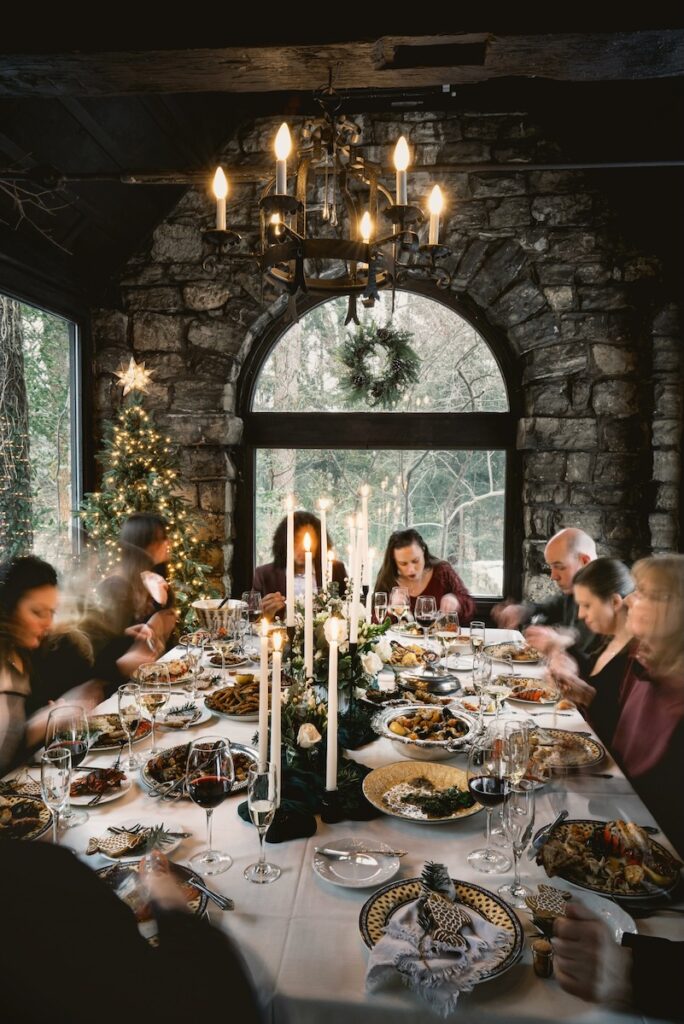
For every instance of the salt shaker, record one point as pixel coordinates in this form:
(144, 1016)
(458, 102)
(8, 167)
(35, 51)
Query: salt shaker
(542, 958)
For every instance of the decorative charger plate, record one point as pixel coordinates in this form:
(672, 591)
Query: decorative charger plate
(581, 829)
(575, 751)
(23, 817)
(378, 910)
(381, 780)
(500, 652)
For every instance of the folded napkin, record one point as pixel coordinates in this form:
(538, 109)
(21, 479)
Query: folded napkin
(438, 965)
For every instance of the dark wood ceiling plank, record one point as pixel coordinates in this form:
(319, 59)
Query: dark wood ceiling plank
(652, 53)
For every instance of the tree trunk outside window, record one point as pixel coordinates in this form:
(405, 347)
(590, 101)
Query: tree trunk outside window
(16, 535)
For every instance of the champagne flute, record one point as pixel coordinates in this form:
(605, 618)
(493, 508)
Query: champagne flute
(262, 800)
(130, 714)
(425, 613)
(477, 636)
(55, 781)
(482, 671)
(193, 657)
(518, 822)
(209, 779)
(67, 729)
(488, 783)
(380, 605)
(499, 686)
(155, 691)
(517, 738)
(399, 602)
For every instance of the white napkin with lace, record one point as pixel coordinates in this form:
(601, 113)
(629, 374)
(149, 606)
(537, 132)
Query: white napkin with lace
(437, 971)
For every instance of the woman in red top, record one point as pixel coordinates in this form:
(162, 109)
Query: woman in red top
(408, 563)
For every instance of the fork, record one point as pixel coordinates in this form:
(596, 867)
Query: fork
(222, 902)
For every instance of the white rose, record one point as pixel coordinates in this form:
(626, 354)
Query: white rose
(308, 736)
(371, 663)
(383, 648)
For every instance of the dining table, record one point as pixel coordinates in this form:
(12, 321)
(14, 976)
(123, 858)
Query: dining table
(300, 935)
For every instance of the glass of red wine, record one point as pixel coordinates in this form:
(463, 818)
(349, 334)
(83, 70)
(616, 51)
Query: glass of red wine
(209, 779)
(490, 786)
(425, 613)
(67, 729)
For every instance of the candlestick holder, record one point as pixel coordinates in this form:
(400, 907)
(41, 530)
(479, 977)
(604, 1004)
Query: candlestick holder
(331, 807)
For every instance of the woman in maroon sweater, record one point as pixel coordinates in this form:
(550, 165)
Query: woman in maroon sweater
(408, 563)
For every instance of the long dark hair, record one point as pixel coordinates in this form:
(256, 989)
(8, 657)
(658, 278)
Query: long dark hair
(137, 533)
(17, 577)
(605, 577)
(280, 540)
(387, 576)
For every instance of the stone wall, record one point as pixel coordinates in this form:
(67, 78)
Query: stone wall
(596, 341)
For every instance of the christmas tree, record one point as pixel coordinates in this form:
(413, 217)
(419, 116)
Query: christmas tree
(140, 474)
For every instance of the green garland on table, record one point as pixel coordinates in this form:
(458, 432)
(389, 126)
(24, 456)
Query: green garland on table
(403, 365)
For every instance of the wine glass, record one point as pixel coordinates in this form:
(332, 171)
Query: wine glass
(155, 690)
(482, 672)
(489, 785)
(499, 686)
(477, 636)
(518, 822)
(240, 622)
(262, 800)
(399, 602)
(130, 714)
(67, 729)
(425, 613)
(55, 781)
(252, 599)
(380, 605)
(209, 778)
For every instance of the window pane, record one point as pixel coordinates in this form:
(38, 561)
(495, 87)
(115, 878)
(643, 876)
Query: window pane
(35, 349)
(458, 372)
(455, 499)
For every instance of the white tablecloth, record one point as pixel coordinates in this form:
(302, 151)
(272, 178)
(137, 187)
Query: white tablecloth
(301, 934)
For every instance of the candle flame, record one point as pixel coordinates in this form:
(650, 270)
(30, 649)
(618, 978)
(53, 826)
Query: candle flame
(307, 542)
(277, 641)
(436, 200)
(283, 142)
(401, 154)
(220, 184)
(366, 227)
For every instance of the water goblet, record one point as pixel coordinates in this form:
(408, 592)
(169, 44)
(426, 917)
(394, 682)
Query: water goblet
(67, 729)
(155, 690)
(262, 801)
(399, 602)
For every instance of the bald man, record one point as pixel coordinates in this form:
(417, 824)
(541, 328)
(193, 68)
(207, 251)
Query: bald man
(565, 554)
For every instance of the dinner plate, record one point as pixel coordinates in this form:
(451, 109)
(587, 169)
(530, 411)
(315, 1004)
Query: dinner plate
(604, 888)
(141, 733)
(36, 811)
(180, 753)
(84, 799)
(498, 652)
(211, 702)
(410, 635)
(115, 875)
(378, 910)
(471, 705)
(202, 715)
(215, 662)
(133, 858)
(357, 872)
(588, 751)
(378, 783)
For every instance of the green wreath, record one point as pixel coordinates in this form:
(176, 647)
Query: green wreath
(401, 370)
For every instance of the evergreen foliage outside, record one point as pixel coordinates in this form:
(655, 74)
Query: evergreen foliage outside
(140, 474)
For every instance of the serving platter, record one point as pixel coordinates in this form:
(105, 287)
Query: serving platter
(385, 786)
(169, 765)
(520, 652)
(23, 817)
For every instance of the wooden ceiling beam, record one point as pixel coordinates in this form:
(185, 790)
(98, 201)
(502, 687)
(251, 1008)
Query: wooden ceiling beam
(395, 62)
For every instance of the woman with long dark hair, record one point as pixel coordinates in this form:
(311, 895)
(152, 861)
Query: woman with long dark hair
(408, 563)
(270, 579)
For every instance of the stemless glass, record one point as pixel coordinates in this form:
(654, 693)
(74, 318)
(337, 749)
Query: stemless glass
(425, 613)
(262, 800)
(67, 729)
(155, 691)
(55, 780)
(210, 775)
(399, 602)
(488, 783)
(380, 605)
(130, 714)
(518, 822)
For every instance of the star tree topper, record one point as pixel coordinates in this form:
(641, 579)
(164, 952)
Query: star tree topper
(134, 377)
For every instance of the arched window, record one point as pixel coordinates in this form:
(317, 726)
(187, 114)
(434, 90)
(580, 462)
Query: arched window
(440, 459)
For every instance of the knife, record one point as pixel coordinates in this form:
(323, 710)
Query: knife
(329, 851)
(545, 834)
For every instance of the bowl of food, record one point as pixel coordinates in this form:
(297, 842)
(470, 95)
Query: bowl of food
(425, 733)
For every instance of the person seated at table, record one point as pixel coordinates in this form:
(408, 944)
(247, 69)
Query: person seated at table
(28, 601)
(648, 743)
(270, 579)
(566, 553)
(408, 563)
(137, 594)
(601, 590)
(59, 916)
(638, 976)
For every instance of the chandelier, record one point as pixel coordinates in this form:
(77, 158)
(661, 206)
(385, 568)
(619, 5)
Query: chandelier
(321, 221)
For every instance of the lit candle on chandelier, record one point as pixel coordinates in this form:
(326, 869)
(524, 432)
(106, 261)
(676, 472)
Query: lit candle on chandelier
(308, 608)
(220, 186)
(276, 707)
(366, 228)
(435, 206)
(322, 508)
(283, 146)
(401, 162)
